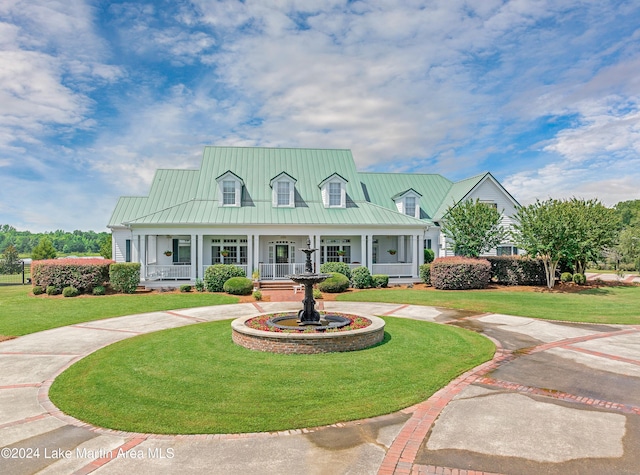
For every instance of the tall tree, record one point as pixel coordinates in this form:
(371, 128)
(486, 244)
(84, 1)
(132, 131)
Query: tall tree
(10, 262)
(44, 250)
(473, 227)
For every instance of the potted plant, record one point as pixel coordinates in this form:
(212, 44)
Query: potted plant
(168, 253)
(224, 253)
(342, 253)
(392, 252)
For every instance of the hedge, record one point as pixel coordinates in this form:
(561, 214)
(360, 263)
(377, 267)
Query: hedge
(460, 273)
(83, 274)
(517, 270)
(425, 273)
(380, 280)
(124, 276)
(216, 275)
(238, 286)
(341, 267)
(335, 284)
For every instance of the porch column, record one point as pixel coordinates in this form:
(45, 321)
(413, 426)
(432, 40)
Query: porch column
(370, 252)
(194, 257)
(363, 250)
(420, 244)
(143, 255)
(256, 252)
(135, 250)
(413, 242)
(401, 249)
(250, 263)
(316, 244)
(200, 257)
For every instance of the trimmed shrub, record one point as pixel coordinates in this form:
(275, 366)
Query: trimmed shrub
(335, 284)
(185, 288)
(257, 295)
(83, 274)
(124, 276)
(361, 278)
(70, 291)
(238, 286)
(216, 275)
(566, 277)
(341, 267)
(199, 285)
(380, 280)
(425, 273)
(99, 290)
(460, 273)
(429, 256)
(517, 270)
(53, 290)
(37, 290)
(579, 279)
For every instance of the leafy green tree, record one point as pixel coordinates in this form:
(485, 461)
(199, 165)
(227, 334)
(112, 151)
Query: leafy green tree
(629, 212)
(473, 227)
(105, 246)
(575, 230)
(628, 248)
(10, 262)
(44, 250)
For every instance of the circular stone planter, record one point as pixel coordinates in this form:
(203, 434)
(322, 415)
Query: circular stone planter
(307, 343)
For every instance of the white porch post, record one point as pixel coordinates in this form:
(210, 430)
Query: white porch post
(315, 242)
(420, 244)
(363, 249)
(194, 257)
(370, 252)
(414, 255)
(256, 252)
(200, 256)
(401, 250)
(250, 263)
(143, 255)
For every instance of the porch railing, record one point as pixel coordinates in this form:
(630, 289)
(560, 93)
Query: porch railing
(156, 272)
(280, 271)
(242, 266)
(394, 270)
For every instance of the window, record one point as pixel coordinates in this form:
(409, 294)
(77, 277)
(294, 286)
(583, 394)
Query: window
(335, 194)
(506, 251)
(228, 192)
(283, 193)
(182, 251)
(410, 206)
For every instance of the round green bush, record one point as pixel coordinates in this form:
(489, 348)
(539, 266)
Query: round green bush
(380, 280)
(361, 278)
(429, 256)
(70, 291)
(199, 285)
(185, 288)
(335, 284)
(53, 290)
(257, 295)
(566, 277)
(579, 279)
(216, 275)
(238, 286)
(425, 273)
(37, 290)
(341, 267)
(99, 290)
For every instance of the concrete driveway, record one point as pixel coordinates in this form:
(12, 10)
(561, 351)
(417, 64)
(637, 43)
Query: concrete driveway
(557, 398)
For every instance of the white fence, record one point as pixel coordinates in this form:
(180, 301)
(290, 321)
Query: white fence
(155, 272)
(394, 270)
(280, 271)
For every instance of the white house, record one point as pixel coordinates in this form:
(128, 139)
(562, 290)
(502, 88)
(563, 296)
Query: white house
(257, 207)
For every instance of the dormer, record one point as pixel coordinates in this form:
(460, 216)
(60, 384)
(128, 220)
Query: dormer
(408, 202)
(229, 189)
(334, 191)
(283, 191)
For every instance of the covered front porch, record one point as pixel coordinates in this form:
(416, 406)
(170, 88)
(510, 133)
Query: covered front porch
(185, 257)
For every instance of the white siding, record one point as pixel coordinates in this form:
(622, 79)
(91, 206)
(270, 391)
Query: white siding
(119, 238)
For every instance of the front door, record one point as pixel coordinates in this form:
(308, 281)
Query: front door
(282, 253)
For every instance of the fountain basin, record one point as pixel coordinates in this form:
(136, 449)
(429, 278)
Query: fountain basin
(308, 342)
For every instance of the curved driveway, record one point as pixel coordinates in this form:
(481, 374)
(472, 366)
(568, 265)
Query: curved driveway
(557, 398)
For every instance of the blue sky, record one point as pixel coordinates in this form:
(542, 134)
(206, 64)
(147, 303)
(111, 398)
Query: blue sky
(95, 96)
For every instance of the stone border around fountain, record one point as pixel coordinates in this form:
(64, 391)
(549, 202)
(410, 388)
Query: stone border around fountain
(307, 343)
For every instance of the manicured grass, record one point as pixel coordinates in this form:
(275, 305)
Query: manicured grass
(196, 380)
(22, 313)
(601, 305)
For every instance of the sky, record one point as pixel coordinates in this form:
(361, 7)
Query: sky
(96, 95)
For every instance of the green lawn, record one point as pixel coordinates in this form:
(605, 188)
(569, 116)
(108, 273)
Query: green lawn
(196, 380)
(602, 305)
(22, 313)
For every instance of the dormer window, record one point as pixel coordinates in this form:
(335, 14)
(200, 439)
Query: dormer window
(229, 189)
(407, 203)
(283, 186)
(334, 191)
